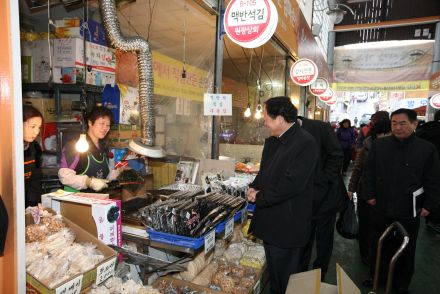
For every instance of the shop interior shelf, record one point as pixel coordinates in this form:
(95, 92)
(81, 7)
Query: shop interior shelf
(65, 88)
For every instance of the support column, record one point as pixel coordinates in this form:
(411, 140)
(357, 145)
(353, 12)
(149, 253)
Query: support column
(434, 68)
(218, 69)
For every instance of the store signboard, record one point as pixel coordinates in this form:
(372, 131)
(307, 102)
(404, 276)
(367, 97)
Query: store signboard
(217, 104)
(252, 23)
(435, 101)
(319, 86)
(327, 96)
(304, 72)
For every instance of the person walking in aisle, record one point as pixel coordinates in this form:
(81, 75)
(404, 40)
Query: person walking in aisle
(401, 170)
(283, 192)
(346, 138)
(326, 196)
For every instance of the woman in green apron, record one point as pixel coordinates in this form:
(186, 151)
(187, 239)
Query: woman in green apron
(90, 169)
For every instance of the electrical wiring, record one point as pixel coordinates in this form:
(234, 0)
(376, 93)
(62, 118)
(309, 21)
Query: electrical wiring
(261, 61)
(232, 61)
(247, 58)
(151, 11)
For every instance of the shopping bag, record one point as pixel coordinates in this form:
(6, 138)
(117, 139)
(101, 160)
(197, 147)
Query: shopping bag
(347, 224)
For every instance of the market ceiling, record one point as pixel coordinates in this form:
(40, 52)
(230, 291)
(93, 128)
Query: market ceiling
(418, 18)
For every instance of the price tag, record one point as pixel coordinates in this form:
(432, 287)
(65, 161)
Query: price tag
(244, 215)
(229, 228)
(209, 241)
(257, 287)
(71, 287)
(105, 271)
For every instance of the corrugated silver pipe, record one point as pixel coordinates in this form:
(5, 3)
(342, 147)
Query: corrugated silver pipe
(146, 83)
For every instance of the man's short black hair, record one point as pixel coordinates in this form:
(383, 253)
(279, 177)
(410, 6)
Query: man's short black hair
(410, 113)
(282, 106)
(437, 115)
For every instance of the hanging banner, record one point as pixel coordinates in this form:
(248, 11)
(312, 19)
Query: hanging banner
(435, 101)
(250, 24)
(327, 96)
(319, 87)
(304, 72)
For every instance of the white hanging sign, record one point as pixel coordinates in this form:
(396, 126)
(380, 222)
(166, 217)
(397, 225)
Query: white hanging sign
(217, 104)
(319, 86)
(304, 72)
(435, 101)
(327, 95)
(250, 24)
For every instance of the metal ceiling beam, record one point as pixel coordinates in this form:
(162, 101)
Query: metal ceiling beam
(387, 24)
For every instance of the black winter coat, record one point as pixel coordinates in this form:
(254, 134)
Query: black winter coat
(395, 169)
(284, 202)
(431, 133)
(328, 195)
(32, 174)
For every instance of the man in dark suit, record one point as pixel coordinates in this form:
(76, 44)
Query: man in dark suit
(283, 192)
(401, 183)
(327, 193)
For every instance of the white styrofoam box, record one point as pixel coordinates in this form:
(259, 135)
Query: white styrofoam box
(39, 65)
(69, 53)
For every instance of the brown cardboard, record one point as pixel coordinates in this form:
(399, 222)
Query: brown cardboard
(82, 236)
(305, 282)
(257, 288)
(310, 282)
(190, 285)
(345, 284)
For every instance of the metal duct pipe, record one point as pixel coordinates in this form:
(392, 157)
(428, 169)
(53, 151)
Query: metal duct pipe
(145, 145)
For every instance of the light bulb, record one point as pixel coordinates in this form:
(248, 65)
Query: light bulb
(247, 113)
(258, 114)
(259, 107)
(82, 145)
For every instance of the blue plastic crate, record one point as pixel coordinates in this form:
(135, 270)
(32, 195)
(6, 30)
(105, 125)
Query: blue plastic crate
(176, 240)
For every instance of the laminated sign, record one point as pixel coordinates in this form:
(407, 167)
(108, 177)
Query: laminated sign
(304, 72)
(435, 101)
(217, 104)
(250, 23)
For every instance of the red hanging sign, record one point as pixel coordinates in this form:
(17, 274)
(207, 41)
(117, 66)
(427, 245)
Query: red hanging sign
(250, 23)
(319, 87)
(435, 101)
(327, 96)
(304, 72)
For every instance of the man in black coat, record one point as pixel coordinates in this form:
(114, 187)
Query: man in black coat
(283, 192)
(401, 170)
(328, 196)
(430, 131)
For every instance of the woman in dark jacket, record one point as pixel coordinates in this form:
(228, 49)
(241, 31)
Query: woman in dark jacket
(346, 138)
(378, 130)
(32, 121)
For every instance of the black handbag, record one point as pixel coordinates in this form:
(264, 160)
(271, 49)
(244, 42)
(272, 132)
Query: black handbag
(347, 224)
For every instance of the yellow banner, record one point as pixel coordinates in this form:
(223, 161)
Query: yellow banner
(168, 79)
(377, 87)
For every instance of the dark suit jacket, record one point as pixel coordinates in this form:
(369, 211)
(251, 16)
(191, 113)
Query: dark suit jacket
(284, 202)
(328, 195)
